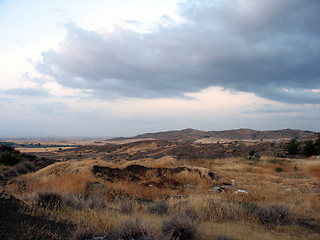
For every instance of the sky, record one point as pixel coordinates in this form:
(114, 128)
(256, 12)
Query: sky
(106, 68)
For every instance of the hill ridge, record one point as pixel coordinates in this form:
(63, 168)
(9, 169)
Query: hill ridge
(190, 134)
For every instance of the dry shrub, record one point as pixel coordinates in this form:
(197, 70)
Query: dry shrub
(133, 229)
(126, 206)
(275, 214)
(49, 200)
(179, 227)
(95, 203)
(25, 167)
(314, 170)
(158, 208)
(53, 201)
(192, 213)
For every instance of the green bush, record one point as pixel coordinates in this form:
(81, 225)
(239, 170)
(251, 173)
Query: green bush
(252, 156)
(279, 169)
(10, 158)
(293, 147)
(310, 148)
(273, 160)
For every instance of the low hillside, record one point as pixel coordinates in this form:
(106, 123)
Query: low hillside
(227, 135)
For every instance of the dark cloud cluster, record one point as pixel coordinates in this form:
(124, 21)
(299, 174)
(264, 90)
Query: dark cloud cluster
(267, 47)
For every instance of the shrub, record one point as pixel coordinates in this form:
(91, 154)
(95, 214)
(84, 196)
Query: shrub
(192, 213)
(279, 169)
(310, 148)
(179, 227)
(49, 200)
(252, 156)
(158, 208)
(273, 161)
(24, 167)
(275, 214)
(293, 147)
(133, 229)
(10, 158)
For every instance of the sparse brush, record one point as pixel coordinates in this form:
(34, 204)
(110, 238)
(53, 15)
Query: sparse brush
(179, 227)
(134, 230)
(275, 214)
(158, 208)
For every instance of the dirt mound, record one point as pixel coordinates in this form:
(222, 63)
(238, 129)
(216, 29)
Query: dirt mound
(141, 173)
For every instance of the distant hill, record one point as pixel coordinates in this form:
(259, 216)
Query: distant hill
(236, 134)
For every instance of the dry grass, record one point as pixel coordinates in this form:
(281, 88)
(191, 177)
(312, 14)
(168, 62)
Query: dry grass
(297, 187)
(314, 170)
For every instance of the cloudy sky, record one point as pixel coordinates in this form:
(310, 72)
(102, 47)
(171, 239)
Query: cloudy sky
(120, 68)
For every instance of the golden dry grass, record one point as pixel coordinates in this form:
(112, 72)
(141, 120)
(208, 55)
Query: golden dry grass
(297, 186)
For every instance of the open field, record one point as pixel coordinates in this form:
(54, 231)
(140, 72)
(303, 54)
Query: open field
(157, 189)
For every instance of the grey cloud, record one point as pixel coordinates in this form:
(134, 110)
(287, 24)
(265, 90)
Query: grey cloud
(50, 108)
(31, 92)
(267, 47)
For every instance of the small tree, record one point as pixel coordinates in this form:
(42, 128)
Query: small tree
(293, 147)
(310, 148)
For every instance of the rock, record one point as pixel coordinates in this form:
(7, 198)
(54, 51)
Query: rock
(218, 189)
